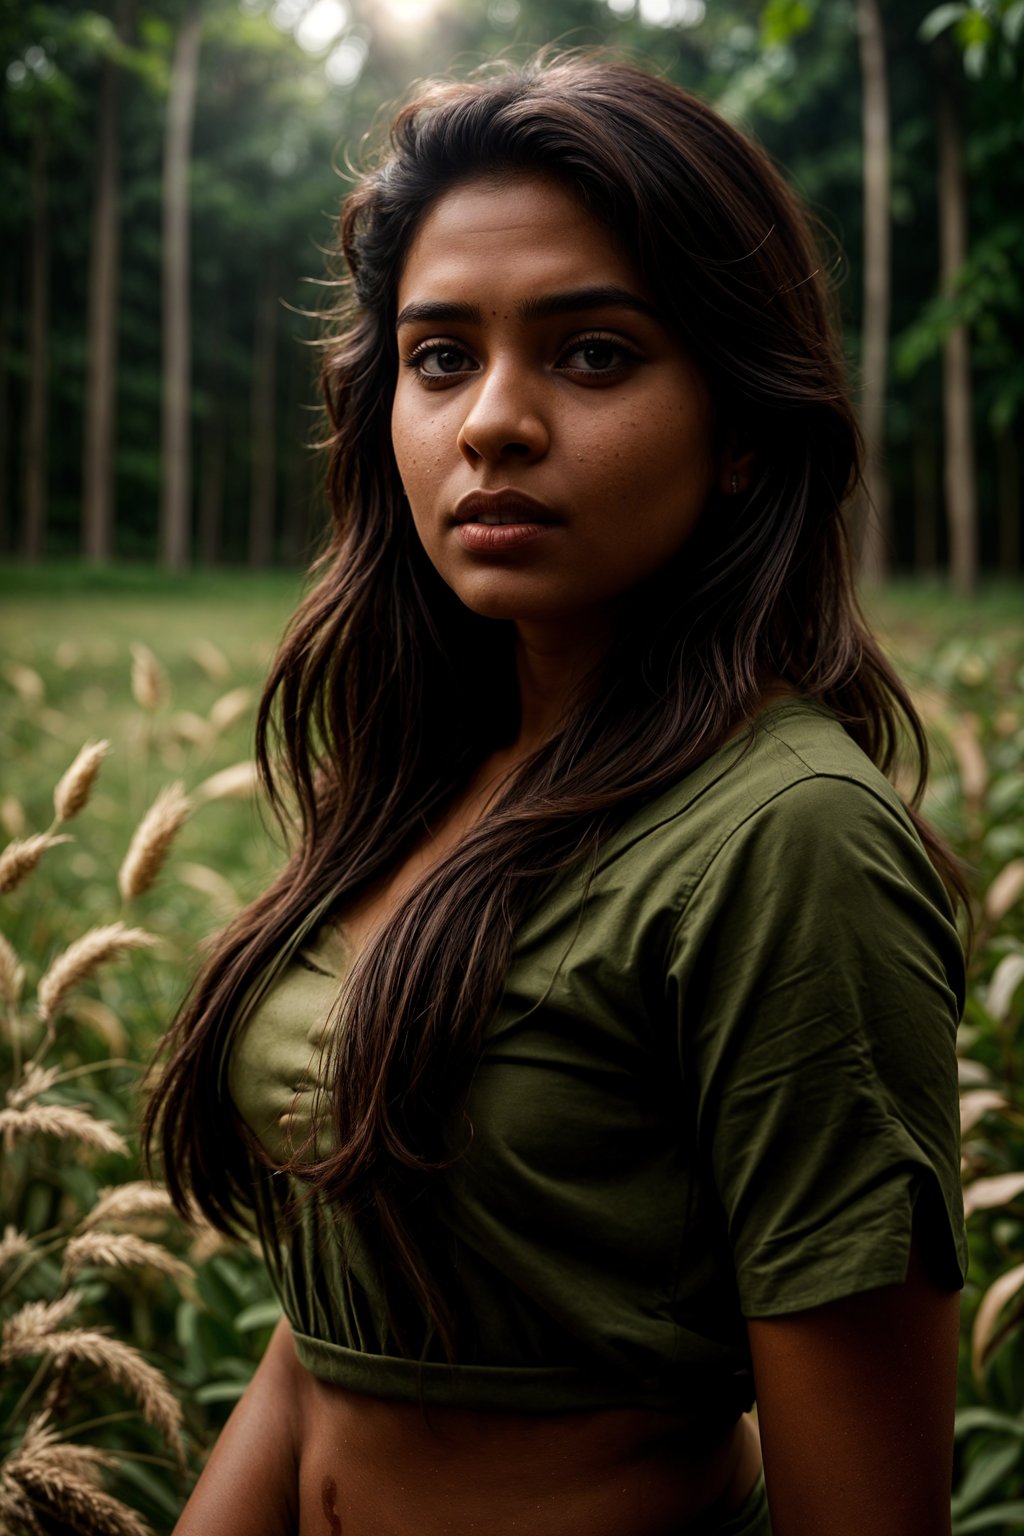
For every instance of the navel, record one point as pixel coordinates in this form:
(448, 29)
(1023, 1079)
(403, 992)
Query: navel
(328, 1500)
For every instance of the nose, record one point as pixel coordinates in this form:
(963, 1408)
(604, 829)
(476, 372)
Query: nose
(504, 421)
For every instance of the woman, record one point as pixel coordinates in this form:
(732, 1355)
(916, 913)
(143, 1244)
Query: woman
(639, 1097)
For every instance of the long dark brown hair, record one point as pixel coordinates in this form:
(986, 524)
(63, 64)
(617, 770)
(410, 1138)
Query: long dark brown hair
(373, 717)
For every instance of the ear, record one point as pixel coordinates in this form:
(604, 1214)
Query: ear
(736, 471)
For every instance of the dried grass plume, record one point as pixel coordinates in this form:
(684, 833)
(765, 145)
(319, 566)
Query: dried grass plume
(21, 856)
(73, 790)
(124, 1202)
(151, 841)
(64, 1120)
(121, 1250)
(12, 974)
(83, 957)
(150, 687)
(239, 782)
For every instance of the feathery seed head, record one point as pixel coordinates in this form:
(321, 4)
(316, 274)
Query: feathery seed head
(12, 816)
(26, 682)
(74, 788)
(150, 687)
(120, 1250)
(230, 708)
(13, 1245)
(21, 856)
(123, 1202)
(64, 1120)
(12, 975)
(151, 841)
(37, 1080)
(239, 782)
(82, 957)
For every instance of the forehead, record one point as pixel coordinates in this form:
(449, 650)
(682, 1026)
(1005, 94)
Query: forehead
(509, 238)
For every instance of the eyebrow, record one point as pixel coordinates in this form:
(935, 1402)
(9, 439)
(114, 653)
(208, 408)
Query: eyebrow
(606, 296)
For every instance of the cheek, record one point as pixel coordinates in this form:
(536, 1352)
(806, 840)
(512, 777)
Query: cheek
(418, 445)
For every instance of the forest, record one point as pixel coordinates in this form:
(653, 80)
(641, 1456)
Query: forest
(173, 172)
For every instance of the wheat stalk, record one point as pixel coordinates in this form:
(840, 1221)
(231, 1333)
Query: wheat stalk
(37, 1080)
(16, 1514)
(230, 708)
(12, 974)
(12, 816)
(41, 1439)
(22, 854)
(113, 1250)
(123, 1364)
(81, 958)
(212, 660)
(62, 1120)
(239, 782)
(151, 840)
(13, 1245)
(36, 1320)
(26, 682)
(122, 1202)
(74, 788)
(150, 688)
(60, 1486)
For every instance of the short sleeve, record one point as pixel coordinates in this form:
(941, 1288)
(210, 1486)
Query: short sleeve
(817, 979)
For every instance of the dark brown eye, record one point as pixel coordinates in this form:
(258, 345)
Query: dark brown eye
(597, 355)
(435, 362)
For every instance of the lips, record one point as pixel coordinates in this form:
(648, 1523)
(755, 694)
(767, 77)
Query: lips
(500, 508)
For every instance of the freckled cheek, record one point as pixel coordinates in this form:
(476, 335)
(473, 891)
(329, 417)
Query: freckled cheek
(423, 448)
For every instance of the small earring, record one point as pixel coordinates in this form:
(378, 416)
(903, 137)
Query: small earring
(734, 484)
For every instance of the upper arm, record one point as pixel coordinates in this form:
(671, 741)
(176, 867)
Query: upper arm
(855, 1410)
(818, 976)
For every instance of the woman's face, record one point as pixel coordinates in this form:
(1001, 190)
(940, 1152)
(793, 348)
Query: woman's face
(555, 442)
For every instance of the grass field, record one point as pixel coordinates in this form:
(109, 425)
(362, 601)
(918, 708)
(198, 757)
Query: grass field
(169, 671)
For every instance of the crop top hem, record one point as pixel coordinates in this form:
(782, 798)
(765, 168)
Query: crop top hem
(484, 1388)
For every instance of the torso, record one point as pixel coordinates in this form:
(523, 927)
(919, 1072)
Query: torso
(372, 1467)
(369, 1467)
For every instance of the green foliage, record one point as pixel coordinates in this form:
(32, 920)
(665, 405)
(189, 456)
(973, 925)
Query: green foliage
(986, 31)
(57, 671)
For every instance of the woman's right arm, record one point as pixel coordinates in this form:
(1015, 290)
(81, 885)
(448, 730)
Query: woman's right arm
(250, 1481)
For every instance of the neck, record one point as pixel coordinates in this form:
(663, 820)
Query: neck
(551, 664)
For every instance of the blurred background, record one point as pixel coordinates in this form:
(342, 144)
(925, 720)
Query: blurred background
(171, 170)
(172, 173)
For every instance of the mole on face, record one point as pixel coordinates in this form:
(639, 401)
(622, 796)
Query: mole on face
(328, 1499)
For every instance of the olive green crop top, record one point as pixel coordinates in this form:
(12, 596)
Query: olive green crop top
(721, 1084)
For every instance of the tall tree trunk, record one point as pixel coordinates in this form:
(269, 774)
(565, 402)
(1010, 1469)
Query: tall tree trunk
(104, 286)
(176, 470)
(214, 451)
(34, 521)
(294, 531)
(874, 554)
(1008, 501)
(6, 324)
(926, 487)
(262, 499)
(961, 500)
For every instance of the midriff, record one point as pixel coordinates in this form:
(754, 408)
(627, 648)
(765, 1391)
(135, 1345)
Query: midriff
(371, 1467)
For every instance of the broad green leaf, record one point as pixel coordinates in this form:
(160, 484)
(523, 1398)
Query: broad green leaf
(991, 1463)
(970, 1420)
(262, 1314)
(219, 1392)
(939, 20)
(997, 1516)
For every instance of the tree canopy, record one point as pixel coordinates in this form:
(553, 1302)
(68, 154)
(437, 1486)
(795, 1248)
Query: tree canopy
(162, 241)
